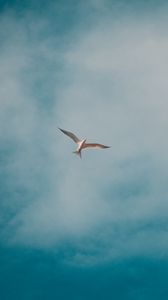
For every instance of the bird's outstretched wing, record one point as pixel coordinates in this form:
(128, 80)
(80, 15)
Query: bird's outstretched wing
(94, 145)
(71, 135)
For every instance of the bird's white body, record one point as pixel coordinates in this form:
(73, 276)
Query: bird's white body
(81, 144)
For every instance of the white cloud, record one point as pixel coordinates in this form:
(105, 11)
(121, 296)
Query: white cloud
(114, 91)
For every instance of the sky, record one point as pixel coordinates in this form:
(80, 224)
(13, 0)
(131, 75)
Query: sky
(94, 228)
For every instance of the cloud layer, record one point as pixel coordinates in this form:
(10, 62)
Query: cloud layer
(108, 84)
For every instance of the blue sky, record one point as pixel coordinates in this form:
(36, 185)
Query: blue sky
(94, 228)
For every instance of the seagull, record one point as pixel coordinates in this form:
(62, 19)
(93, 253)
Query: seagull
(81, 144)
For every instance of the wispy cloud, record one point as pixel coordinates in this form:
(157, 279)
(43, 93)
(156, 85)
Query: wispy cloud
(109, 85)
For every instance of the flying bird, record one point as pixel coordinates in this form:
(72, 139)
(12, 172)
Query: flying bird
(81, 144)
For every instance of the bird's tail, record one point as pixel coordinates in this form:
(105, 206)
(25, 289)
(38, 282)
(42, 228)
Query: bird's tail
(78, 153)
